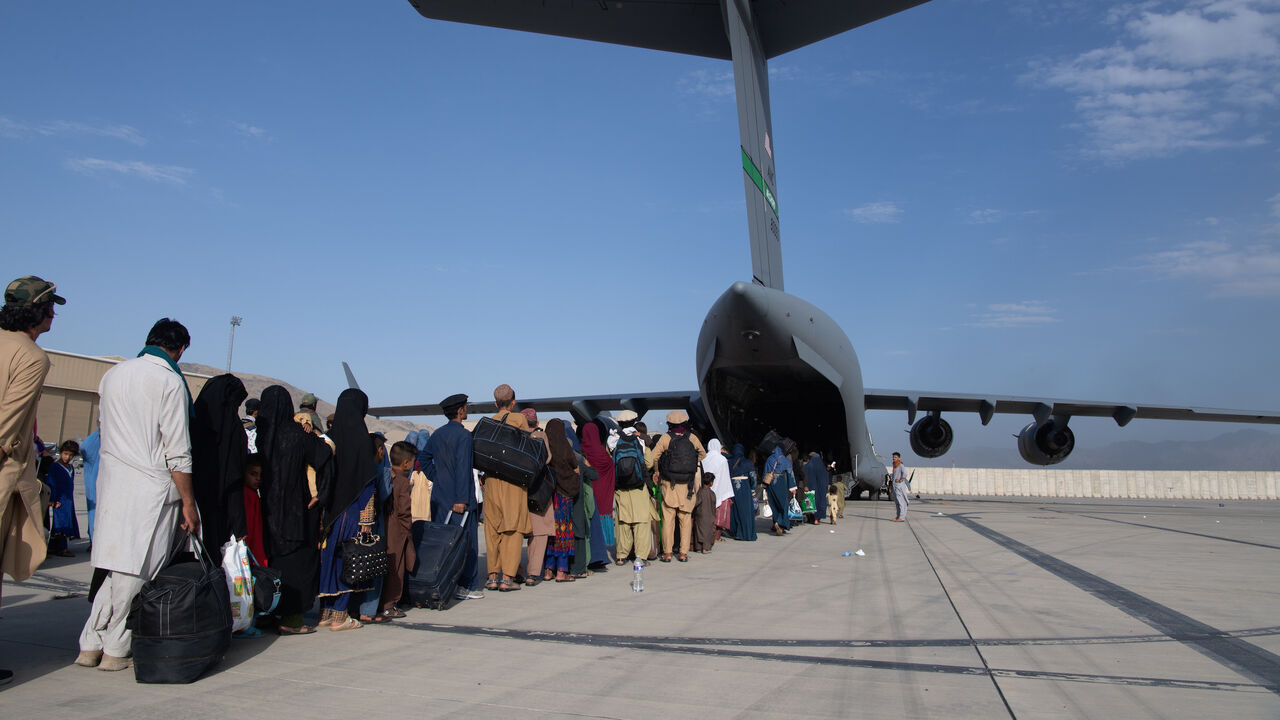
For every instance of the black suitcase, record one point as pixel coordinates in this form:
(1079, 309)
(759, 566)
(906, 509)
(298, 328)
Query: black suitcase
(181, 622)
(441, 550)
(506, 452)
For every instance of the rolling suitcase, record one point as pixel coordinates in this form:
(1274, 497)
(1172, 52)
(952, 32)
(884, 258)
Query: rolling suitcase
(441, 550)
(181, 621)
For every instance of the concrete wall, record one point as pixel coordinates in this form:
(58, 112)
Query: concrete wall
(1048, 482)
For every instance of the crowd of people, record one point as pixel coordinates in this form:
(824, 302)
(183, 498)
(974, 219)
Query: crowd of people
(163, 466)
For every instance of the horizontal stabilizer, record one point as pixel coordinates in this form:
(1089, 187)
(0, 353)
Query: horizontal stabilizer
(692, 27)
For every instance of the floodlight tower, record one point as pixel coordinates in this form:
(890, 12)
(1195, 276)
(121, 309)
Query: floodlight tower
(235, 322)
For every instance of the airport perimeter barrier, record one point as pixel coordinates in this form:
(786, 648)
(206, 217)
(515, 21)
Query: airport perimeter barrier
(1049, 482)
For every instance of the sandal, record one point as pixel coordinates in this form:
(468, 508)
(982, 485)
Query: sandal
(581, 576)
(533, 581)
(492, 584)
(507, 586)
(568, 579)
(375, 620)
(349, 624)
(665, 558)
(619, 562)
(682, 557)
(301, 630)
(394, 613)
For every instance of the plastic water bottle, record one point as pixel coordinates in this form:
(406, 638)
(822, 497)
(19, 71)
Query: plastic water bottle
(637, 582)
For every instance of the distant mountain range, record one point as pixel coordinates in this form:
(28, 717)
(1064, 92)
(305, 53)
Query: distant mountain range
(255, 384)
(1246, 449)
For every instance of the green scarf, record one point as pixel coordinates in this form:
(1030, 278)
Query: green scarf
(159, 352)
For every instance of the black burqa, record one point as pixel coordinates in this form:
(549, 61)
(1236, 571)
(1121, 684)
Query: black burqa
(353, 461)
(219, 448)
(292, 529)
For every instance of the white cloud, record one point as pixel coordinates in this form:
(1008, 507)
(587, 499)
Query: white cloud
(14, 129)
(1027, 313)
(986, 217)
(877, 212)
(172, 174)
(1190, 78)
(1231, 271)
(707, 84)
(248, 130)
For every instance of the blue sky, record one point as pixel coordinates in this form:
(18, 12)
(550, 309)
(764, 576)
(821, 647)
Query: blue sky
(1078, 200)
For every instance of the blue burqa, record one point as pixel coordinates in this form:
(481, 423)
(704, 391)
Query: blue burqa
(61, 480)
(815, 472)
(742, 517)
(89, 451)
(780, 489)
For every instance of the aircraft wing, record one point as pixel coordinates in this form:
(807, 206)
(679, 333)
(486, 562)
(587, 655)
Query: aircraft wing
(1041, 408)
(692, 27)
(582, 407)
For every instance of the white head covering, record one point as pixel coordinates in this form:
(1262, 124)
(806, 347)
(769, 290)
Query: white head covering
(718, 464)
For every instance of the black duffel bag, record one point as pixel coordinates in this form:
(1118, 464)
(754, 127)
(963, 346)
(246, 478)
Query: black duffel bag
(542, 490)
(181, 621)
(364, 559)
(507, 452)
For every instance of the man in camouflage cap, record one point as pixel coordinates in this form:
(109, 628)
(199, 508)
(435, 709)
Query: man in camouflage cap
(26, 315)
(308, 406)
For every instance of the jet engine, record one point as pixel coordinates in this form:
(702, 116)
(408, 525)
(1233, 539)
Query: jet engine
(1046, 443)
(931, 436)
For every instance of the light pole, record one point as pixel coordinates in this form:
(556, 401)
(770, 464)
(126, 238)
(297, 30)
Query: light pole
(235, 321)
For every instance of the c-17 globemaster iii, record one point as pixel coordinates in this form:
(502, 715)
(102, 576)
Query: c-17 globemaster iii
(765, 358)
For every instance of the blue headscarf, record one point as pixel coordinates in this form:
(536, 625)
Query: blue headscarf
(573, 438)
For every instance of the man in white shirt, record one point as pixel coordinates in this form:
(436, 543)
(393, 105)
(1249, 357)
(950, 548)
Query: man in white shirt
(899, 477)
(144, 486)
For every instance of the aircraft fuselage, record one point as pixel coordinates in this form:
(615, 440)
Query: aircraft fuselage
(769, 360)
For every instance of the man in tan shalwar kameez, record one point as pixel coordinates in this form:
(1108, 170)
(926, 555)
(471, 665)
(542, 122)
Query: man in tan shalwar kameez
(677, 500)
(27, 314)
(506, 508)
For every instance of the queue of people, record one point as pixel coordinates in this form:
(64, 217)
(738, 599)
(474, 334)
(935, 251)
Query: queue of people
(164, 466)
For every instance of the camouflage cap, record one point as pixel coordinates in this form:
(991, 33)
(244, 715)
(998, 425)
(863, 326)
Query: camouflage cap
(308, 400)
(29, 290)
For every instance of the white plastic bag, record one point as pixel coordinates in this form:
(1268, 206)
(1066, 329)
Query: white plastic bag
(235, 565)
(765, 510)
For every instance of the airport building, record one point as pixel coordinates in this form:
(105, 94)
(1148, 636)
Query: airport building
(69, 401)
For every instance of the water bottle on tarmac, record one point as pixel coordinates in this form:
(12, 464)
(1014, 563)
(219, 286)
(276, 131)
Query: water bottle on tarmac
(637, 583)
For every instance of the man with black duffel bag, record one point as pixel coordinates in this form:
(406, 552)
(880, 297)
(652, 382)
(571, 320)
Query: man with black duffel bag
(506, 507)
(144, 487)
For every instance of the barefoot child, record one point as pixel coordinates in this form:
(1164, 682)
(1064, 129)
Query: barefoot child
(833, 498)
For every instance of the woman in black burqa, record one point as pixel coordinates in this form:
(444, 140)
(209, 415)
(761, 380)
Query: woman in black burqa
(290, 511)
(351, 510)
(219, 448)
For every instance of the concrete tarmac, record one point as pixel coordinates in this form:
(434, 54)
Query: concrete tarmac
(993, 608)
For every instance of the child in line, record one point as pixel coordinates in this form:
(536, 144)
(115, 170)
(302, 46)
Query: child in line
(399, 523)
(63, 524)
(704, 516)
(253, 508)
(833, 499)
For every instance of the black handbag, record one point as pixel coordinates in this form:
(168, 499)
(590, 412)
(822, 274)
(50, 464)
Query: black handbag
(266, 586)
(506, 452)
(364, 559)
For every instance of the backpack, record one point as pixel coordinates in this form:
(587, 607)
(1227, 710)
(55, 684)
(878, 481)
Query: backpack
(628, 463)
(679, 464)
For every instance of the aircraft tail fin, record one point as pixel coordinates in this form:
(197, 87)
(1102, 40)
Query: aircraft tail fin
(351, 377)
(755, 131)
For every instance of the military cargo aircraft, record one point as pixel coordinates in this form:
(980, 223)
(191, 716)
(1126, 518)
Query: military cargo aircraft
(767, 359)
